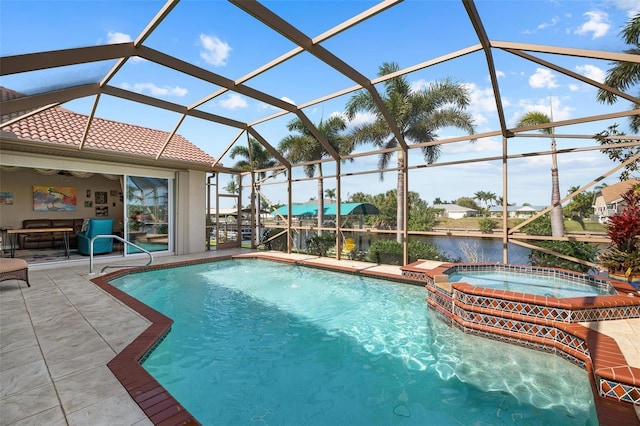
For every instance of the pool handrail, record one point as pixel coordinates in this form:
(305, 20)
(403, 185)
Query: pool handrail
(116, 237)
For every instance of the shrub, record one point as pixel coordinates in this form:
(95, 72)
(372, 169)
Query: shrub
(487, 225)
(624, 230)
(385, 251)
(390, 252)
(319, 244)
(278, 243)
(579, 250)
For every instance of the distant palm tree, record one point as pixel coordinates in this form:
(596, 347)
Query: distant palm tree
(485, 197)
(253, 157)
(330, 193)
(232, 187)
(624, 75)
(301, 146)
(532, 118)
(418, 114)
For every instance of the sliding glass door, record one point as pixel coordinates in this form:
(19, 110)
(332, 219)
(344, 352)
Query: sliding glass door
(148, 208)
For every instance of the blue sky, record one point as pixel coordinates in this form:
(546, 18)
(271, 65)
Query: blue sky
(219, 37)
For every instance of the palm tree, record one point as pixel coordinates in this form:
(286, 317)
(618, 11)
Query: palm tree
(485, 197)
(330, 193)
(532, 118)
(418, 114)
(302, 146)
(624, 75)
(253, 157)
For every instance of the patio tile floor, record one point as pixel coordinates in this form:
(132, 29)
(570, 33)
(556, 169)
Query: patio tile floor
(57, 336)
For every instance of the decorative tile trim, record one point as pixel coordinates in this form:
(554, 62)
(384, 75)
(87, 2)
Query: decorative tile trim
(619, 391)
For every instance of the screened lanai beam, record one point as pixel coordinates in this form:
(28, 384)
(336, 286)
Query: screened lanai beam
(579, 120)
(374, 81)
(319, 136)
(532, 127)
(593, 182)
(27, 103)
(146, 32)
(287, 30)
(575, 75)
(566, 51)
(233, 141)
(28, 114)
(170, 136)
(472, 12)
(85, 134)
(60, 58)
(211, 77)
(374, 10)
(170, 106)
(269, 148)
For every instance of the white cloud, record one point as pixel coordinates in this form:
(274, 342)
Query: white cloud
(631, 7)
(214, 51)
(500, 74)
(481, 99)
(487, 146)
(362, 118)
(419, 85)
(284, 98)
(543, 79)
(155, 90)
(597, 24)
(233, 101)
(574, 87)
(592, 72)
(114, 37)
(482, 102)
(553, 22)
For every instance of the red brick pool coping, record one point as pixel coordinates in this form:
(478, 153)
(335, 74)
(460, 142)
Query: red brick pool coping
(164, 409)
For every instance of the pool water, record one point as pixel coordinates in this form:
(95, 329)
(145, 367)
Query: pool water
(258, 341)
(529, 283)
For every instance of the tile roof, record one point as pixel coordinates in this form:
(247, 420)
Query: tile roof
(614, 192)
(61, 127)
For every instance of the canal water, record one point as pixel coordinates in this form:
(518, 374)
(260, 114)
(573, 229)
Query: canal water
(467, 249)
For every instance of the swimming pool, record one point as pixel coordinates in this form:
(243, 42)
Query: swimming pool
(262, 341)
(532, 283)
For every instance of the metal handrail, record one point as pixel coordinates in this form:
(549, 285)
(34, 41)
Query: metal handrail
(116, 237)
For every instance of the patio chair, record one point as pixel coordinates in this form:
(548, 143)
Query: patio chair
(94, 228)
(349, 245)
(14, 269)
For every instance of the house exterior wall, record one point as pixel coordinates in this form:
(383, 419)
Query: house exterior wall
(191, 211)
(456, 215)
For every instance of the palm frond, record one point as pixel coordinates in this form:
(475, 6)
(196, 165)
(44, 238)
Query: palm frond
(533, 118)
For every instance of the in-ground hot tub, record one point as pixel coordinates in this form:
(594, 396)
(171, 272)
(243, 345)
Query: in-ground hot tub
(536, 317)
(545, 282)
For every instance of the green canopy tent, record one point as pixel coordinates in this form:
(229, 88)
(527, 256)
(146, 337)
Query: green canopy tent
(329, 209)
(346, 209)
